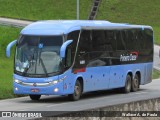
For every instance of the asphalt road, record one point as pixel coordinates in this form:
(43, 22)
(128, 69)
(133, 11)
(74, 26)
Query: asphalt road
(88, 101)
(157, 57)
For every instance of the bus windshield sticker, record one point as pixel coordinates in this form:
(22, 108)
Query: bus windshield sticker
(40, 45)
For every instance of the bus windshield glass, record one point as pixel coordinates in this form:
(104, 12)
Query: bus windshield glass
(38, 55)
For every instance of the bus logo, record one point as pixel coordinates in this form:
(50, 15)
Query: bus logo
(34, 84)
(129, 57)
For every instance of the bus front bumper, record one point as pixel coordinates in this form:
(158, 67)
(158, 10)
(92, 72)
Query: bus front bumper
(35, 88)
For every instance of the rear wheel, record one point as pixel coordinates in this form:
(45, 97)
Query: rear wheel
(135, 83)
(35, 97)
(127, 87)
(77, 91)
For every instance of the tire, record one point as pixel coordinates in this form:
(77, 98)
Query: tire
(77, 92)
(35, 97)
(135, 83)
(127, 87)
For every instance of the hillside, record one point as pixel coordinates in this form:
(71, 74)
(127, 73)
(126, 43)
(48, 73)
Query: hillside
(6, 65)
(144, 12)
(44, 9)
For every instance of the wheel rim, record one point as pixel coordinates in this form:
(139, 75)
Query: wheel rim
(135, 83)
(77, 90)
(128, 87)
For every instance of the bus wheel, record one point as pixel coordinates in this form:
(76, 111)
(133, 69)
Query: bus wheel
(135, 83)
(35, 97)
(77, 91)
(127, 87)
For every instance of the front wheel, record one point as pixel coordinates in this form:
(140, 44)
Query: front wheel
(77, 92)
(127, 87)
(35, 97)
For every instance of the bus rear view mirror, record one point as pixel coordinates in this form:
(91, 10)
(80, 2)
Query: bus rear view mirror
(9, 46)
(63, 48)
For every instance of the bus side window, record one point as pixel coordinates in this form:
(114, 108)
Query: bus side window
(85, 43)
(120, 41)
(148, 38)
(130, 40)
(72, 48)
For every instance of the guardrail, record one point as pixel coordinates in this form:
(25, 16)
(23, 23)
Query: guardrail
(94, 9)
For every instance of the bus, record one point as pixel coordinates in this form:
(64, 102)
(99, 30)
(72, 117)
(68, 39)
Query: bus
(72, 57)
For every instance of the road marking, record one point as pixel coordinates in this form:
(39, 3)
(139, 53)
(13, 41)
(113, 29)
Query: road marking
(57, 104)
(140, 93)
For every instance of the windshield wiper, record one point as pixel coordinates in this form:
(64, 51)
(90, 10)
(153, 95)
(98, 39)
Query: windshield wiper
(43, 66)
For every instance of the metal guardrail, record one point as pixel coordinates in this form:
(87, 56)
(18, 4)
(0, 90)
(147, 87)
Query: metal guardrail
(94, 9)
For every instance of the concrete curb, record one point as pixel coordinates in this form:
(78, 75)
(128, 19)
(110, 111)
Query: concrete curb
(14, 22)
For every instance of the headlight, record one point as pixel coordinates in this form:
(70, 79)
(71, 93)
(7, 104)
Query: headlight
(57, 81)
(53, 82)
(17, 81)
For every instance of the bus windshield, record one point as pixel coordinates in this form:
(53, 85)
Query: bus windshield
(38, 55)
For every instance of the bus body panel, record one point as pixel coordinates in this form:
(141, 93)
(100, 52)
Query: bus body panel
(102, 56)
(96, 78)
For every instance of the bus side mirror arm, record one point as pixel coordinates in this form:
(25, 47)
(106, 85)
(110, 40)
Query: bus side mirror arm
(9, 46)
(63, 48)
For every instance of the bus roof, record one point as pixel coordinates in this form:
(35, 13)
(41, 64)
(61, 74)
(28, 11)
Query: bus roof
(59, 27)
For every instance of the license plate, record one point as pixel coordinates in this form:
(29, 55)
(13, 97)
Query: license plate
(34, 90)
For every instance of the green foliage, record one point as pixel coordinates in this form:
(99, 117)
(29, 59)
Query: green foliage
(156, 74)
(6, 64)
(145, 12)
(44, 9)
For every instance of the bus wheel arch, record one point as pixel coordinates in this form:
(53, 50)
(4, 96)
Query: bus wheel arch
(136, 82)
(78, 90)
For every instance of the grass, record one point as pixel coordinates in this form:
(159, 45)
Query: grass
(156, 74)
(6, 65)
(44, 9)
(145, 12)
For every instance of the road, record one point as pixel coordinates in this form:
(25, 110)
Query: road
(88, 101)
(156, 57)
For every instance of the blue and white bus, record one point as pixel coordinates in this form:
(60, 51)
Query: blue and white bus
(72, 57)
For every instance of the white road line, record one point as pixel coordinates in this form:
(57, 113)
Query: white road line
(140, 93)
(57, 104)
